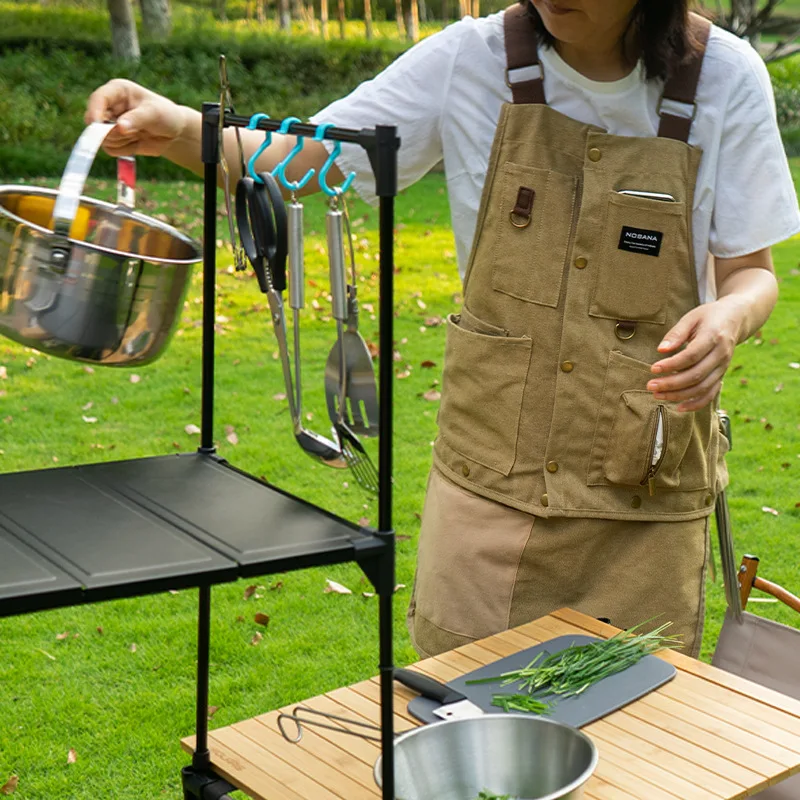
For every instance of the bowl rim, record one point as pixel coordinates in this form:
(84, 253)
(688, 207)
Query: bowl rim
(575, 784)
(43, 191)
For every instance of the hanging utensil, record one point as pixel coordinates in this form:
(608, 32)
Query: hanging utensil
(262, 223)
(226, 102)
(336, 374)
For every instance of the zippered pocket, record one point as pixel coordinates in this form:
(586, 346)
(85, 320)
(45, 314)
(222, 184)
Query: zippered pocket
(658, 449)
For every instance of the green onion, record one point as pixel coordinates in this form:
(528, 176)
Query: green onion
(571, 671)
(520, 702)
(484, 795)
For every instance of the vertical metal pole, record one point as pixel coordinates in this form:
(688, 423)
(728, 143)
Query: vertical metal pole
(386, 184)
(201, 758)
(210, 154)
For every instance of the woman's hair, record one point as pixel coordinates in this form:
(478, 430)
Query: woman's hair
(658, 33)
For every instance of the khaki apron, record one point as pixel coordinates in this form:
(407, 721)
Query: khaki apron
(558, 479)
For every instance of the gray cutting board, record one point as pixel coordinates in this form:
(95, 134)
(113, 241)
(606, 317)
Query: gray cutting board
(604, 697)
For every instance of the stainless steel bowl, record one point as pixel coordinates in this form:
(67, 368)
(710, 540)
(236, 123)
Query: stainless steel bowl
(88, 280)
(528, 758)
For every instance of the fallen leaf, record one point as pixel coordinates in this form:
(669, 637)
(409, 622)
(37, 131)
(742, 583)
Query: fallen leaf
(87, 406)
(779, 388)
(240, 618)
(256, 638)
(363, 522)
(399, 587)
(794, 365)
(250, 591)
(368, 594)
(45, 653)
(743, 381)
(135, 378)
(428, 364)
(133, 647)
(72, 756)
(276, 587)
(433, 322)
(402, 537)
(280, 396)
(10, 786)
(374, 350)
(173, 591)
(261, 619)
(61, 636)
(232, 438)
(100, 629)
(89, 370)
(421, 304)
(768, 510)
(769, 426)
(88, 420)
(403, 375)
(192, 429)
(336, 588)
(212, 710)
(432, 395)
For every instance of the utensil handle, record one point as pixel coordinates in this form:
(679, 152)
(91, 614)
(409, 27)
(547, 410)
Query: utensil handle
(75, 173)
(334, 227)
(296, 256)
(427, 687)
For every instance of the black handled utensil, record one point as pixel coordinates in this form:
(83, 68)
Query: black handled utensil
(454, 704)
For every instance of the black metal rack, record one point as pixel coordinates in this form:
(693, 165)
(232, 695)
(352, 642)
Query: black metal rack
(83, 534)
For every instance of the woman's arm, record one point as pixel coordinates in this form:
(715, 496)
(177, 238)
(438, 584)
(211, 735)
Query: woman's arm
(746, 294)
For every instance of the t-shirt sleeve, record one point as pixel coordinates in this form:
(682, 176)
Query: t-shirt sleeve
(755, 200)
(410, 93)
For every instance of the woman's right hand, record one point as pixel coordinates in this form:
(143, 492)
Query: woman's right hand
(147, 123)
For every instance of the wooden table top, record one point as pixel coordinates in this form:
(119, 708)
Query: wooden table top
(704, 735)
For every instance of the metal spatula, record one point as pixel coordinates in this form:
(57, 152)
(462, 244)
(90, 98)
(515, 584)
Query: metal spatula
(360, 405)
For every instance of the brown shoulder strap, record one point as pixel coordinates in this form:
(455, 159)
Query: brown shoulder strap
(521, 51)
(682, 86)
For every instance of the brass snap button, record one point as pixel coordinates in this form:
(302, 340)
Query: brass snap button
(552, 466)
(636, 501)
(567, 366)
(625, 330)
(465, 470)
(709, 499)
(581, 262)
(595, 154)
(544, 501)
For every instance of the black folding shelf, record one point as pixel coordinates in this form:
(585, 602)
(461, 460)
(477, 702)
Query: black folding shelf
(87, 533)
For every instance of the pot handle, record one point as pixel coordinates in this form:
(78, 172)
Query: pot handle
(72, 183)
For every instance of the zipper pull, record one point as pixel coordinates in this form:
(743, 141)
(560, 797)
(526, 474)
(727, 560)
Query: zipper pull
(651, 485)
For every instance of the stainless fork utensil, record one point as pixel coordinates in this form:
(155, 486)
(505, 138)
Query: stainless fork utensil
(337, 376)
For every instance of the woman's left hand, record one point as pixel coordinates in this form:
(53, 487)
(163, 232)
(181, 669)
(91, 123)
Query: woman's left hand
(693, 376)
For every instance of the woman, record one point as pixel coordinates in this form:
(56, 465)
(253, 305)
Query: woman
(616, 169)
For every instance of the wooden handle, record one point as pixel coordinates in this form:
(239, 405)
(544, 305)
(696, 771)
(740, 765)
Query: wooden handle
(747, 576)
(778, 591)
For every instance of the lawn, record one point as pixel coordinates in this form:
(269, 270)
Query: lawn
(73, 680)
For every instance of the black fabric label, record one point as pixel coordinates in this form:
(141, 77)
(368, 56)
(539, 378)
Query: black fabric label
(639, 240)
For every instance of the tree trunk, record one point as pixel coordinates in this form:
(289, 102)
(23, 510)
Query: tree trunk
(464, 8)
(423, 10)
(398, 12)
(368, 18)
(340, 13)
(285, 16)
(124, 40)
(412, 22)
(221, 9)
(476, 8)
(445, 11)
(156, 19)
(312, 19)
(261, 11)
(323, 17)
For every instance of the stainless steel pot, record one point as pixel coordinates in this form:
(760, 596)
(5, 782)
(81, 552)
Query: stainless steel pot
(528, 758)
(87, 280)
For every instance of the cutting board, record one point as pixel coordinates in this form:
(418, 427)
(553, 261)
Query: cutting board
(604, 697)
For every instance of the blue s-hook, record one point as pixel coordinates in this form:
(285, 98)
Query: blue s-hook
(251, 164)
(280, 170)
(323, 173)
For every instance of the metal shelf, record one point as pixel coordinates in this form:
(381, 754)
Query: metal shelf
(94, 532)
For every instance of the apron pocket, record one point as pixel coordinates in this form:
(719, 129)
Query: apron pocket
(482, 386)
(644, 242)
(641, 441)
(532, 228)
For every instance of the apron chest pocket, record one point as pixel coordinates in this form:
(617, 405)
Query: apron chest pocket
(644, 242)
(482, 386)
(531, 214)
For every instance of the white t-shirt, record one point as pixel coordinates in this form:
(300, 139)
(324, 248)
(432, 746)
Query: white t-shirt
(445, 94)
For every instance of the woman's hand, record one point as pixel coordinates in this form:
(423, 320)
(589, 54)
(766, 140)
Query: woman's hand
(147, 123)
(693, 376)
(708, 334)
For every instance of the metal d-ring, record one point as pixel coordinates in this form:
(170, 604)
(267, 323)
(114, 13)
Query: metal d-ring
(516, 224)
(622, 328)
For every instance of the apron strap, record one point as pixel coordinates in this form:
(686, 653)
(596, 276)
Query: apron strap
(522, 53)
(681, 88)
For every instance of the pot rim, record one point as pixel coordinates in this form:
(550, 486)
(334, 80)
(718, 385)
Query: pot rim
(575, 784)
(89, 201)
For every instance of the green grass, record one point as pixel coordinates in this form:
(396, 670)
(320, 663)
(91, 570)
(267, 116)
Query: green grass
(124, 712)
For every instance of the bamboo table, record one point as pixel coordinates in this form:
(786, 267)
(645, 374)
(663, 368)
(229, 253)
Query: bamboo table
(705, 735)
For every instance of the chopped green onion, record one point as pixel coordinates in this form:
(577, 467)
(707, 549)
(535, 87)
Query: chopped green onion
(520, 702)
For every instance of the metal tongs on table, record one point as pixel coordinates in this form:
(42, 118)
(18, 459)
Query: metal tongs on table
(262, 224)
